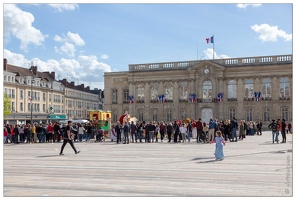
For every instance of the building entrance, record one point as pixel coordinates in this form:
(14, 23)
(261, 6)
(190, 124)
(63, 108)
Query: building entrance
(206, 114)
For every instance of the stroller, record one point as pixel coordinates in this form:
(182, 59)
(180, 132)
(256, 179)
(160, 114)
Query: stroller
(100, 136)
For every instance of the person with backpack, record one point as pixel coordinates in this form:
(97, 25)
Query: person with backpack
(274, 128)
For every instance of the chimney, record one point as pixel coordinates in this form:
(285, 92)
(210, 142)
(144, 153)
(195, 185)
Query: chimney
(34, 70)
(87, 89)
(64, 82)
(5, 64)
(72, 83)
(52, 74)
(82, 86)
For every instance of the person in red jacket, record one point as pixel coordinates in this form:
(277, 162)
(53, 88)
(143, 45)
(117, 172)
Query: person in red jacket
(50, 132)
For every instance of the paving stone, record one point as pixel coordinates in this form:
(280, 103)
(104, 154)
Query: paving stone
(252, 167)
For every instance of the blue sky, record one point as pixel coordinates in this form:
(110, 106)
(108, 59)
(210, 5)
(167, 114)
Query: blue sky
(82, 41)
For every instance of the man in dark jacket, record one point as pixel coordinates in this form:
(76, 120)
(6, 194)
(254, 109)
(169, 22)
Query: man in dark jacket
(233, 127)
(283, 131)
(118, 129)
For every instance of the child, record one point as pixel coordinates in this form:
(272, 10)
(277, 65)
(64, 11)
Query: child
(219, 154)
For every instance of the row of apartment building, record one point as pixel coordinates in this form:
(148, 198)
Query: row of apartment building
(49, 99)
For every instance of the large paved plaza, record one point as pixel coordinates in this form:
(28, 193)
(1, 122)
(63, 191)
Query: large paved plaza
(252, 167)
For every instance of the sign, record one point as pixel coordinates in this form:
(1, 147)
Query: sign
(57, 117)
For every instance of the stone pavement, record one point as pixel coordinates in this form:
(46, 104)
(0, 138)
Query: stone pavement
(253, 167)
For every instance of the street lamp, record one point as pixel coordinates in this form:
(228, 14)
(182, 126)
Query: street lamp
(32, 81)
(14, 113)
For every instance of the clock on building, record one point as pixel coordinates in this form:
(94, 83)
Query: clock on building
(206, 71)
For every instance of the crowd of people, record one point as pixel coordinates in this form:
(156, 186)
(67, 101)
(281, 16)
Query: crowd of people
(178, 131)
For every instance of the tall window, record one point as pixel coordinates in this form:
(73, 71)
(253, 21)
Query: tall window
(49, 97)
(266, 115)
(249, 88)
(44, 108)
(140, 92)
(183, 90)
(231, 113)
(284, 87)
(183, 117)
(126, 96)
(249, 114)
(13, 106)
(168, 93)
(21, 94)
(207, 90)
(140, 115)
(114, 116)
(29, 106)
(266, 88)
(169, 116)
(154, 91)
(154, 115)
(114, 96)
(21, 106)
(232, 89)
(285, 114)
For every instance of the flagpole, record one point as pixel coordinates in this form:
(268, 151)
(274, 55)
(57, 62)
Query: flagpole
(213, 47)
(197, 52)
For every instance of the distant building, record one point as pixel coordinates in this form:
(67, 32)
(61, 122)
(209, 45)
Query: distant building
(52, 100)
(219, 88)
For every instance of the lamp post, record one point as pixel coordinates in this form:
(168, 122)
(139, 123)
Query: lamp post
(32, 81)
(14, 113)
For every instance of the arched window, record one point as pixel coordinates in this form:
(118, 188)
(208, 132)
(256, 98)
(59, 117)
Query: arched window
(207, 90)
(183, 90)
(183, 115)
(168, 91)
(140, 91)
(169, 116)
(284, 88)
(154, 115)
(140, 115)
(232, 89)
(154, 91)
(249, 88)
(266, 88)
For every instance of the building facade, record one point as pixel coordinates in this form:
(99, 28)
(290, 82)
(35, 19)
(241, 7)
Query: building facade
(256, 88)
(51, 100)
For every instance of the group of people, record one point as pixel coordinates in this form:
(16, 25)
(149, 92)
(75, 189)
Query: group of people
(277, 127)
(44, 133)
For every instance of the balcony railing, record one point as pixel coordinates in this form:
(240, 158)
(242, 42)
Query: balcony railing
(183, 100)
(248, 99)
(266, 98)
(284, 98)
(206, 100)
(140, 101)
(231, 99)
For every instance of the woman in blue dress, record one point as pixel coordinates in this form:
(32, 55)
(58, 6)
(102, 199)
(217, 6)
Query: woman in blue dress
(219, 140)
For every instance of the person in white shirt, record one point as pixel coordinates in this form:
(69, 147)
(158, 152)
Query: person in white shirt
(183, 131)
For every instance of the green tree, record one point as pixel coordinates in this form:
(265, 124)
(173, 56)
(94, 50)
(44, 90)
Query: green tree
(7, 105)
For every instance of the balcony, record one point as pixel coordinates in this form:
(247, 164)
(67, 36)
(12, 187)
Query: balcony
(113, 102)
(231, 99)
(168, 100)
(126, 101)
(140, 101)
(206, 100)
(183, 100)
(248, 99)
(266, 98)
(154, 101)
(284, 98)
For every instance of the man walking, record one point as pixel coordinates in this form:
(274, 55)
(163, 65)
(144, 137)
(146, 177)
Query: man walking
(67, 138)
(274, 128)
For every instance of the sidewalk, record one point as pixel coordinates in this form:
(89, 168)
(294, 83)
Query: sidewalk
(252, 167)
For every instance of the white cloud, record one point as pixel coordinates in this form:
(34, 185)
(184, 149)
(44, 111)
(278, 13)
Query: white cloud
(93, 64)
(19, 24)
(64, 7)
(59, 39)
(105, 56)
(16, 59)
(270, 33)
(68, 49)
(241, 5)
(209, 54)
(75, 38)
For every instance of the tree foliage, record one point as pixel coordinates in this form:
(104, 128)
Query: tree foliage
(7, 105)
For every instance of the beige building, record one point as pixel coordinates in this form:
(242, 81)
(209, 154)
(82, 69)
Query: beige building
(177, 90)
(52, 100)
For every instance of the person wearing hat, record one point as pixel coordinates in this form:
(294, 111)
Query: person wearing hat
(274, 128)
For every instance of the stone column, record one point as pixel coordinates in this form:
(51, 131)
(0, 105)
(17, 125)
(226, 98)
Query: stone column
(147, 97)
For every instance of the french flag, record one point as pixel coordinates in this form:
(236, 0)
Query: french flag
(210, 40)
(132, 99)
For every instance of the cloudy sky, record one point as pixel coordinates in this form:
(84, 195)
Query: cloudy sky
(82, 41)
